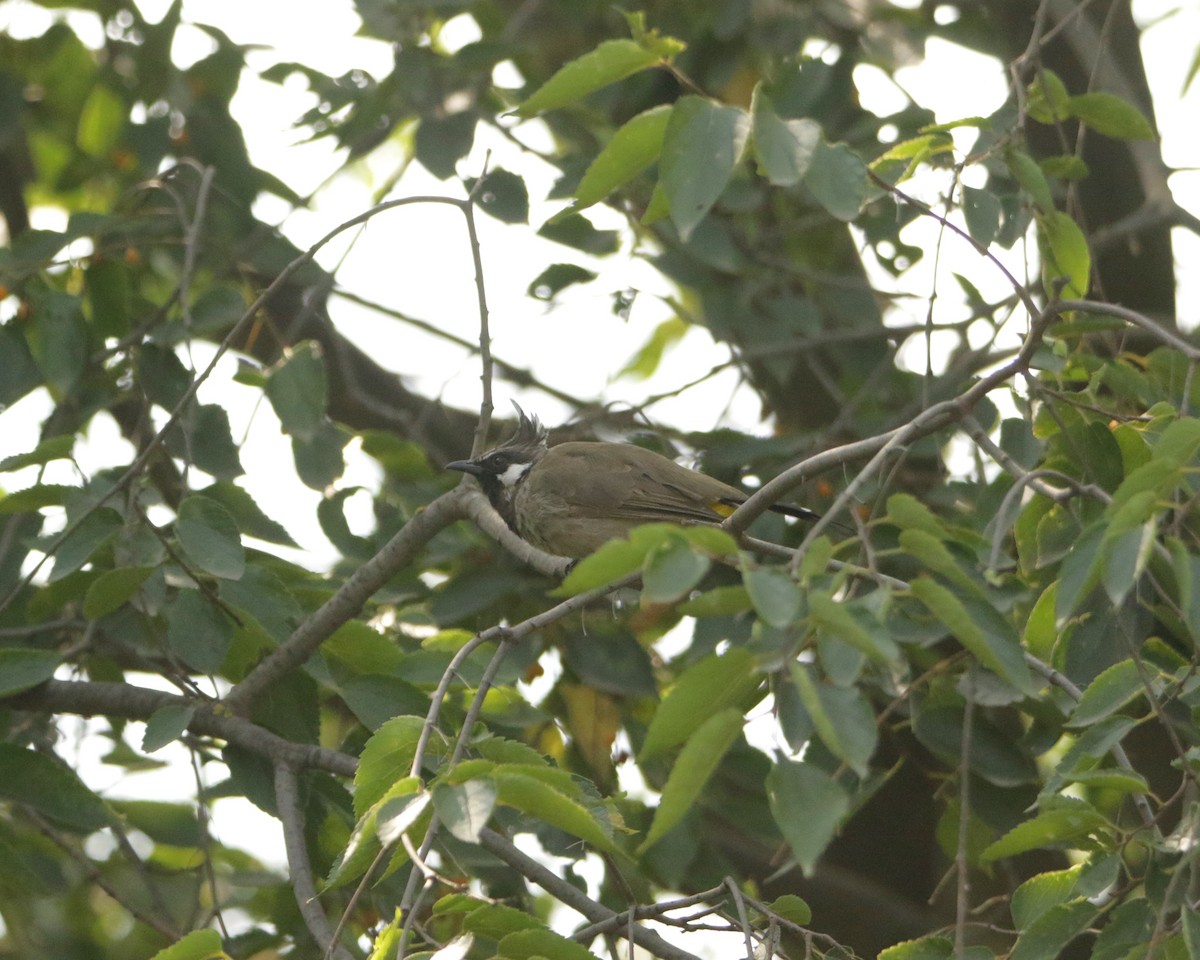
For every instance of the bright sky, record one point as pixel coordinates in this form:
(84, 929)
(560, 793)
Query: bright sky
(416, 260)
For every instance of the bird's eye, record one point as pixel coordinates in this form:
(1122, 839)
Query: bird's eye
(499, 462)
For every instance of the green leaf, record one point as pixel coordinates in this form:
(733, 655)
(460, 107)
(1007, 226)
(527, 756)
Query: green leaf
(247, 514)
(1068, 819)
(1048, 98)
(791, 907)
(672, 570)
(539, 944)
(807, 806)
(843, 719)
(993, 647)
(1131, 926)
(203, 437)
(541, 800)
(50, 788)
(1109, 692)
(197, 945)
(496, 920)
(466, 807)
(440, 142)
(110, 590)
(198, 632)
(556, 278)
(775, 596)
(22, 668)
(1179, 442)
(93, 532)
(907, 512)
(613, 561)
(1066, 261)
(611, 61)
(924, 948)
(1029, 175)
(708, 686)
(298, 390)
(783, 149)
(210, 538)
(53, 448)
(58, 338)
(319, 460)
(1125, 558)
(845, 621)
(981, 209)
(503, 196)
(387, 757)
(703, 144)
(166, 725)
(645, 362)
(1108, 114)
(100, 121)
(718, 602)
(932, 553)
(1053, 930)
(837, 179)
(633, 148)
(697, 762)
(1041, 892)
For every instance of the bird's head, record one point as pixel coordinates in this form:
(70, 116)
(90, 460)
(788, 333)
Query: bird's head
(501, 469)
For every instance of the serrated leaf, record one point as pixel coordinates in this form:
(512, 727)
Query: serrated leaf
(807, 806)
(210, 538)
(197, 945)
(1041, 892)
(703, 144)
(466, 807)
(923, 948)
(53, 448)
(634, 147)
(541, 800)
(837, 179)
(672, 570)
(198, 632)
(843, 719)
(22, 668)
(1109, 692)
(709, 685)
(1053, 930)
(539, 944)
(995, 650)
(839, 620)
(776, 598)
(298, 389)
(50, 788)
(1065, 821)
(697, 762)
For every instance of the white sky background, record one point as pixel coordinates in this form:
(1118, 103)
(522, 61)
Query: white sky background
(416, 260)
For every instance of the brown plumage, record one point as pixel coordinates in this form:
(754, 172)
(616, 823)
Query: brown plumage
(572, 498)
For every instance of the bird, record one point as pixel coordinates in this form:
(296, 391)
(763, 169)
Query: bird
(572, 498)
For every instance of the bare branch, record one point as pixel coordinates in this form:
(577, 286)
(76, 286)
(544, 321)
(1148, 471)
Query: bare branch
(287, 802)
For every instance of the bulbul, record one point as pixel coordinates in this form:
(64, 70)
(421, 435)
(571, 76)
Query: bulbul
(572, 498)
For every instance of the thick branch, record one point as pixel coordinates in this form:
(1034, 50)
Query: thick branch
(287, 802)
(88, 699)
(344, 605)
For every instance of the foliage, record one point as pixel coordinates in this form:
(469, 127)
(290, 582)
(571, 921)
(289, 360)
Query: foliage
(978, 672)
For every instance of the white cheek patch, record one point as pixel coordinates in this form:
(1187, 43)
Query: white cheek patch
(514, 474)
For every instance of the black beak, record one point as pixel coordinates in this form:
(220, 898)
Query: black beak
(467, 466)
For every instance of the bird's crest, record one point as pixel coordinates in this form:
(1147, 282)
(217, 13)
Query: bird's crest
(530, 433)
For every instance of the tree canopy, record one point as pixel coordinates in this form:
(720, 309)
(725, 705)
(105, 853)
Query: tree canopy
(956, 716)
